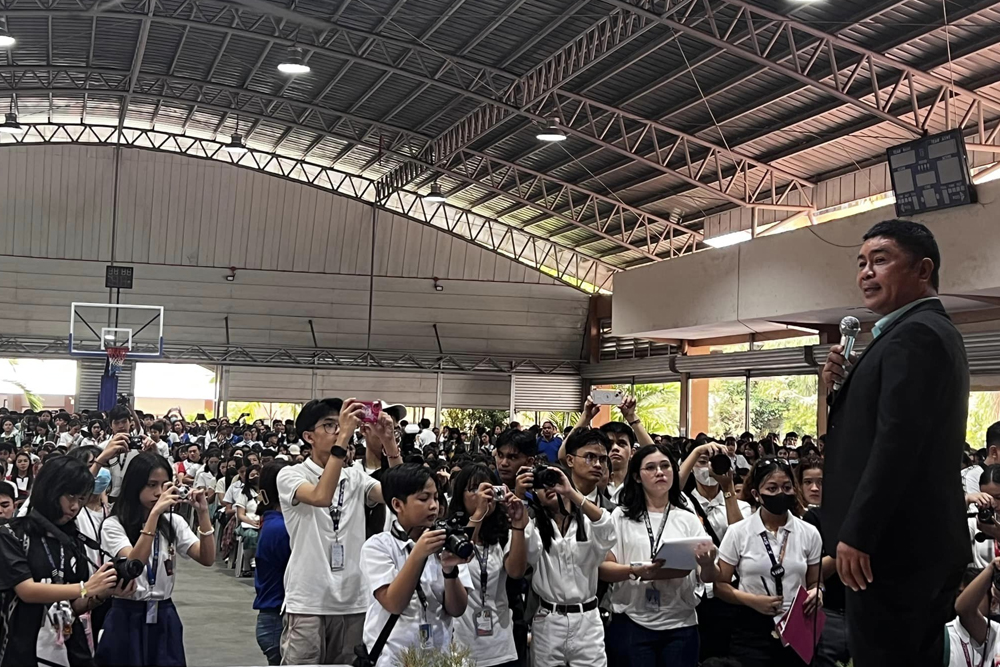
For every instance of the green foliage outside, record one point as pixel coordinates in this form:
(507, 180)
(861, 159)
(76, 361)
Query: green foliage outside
(984, 410)
(466, 420)
(777, 404)
(265, 411)
(657, 405)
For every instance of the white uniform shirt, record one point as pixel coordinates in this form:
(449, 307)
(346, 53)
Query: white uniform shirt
(970, 478)
(715, 510)
(118, 466)
(615, 492)
(983, 553)
(88, 522)
(743, 548)
(739, 461)
(426, 437)
(382, 557)
(249, 506)
(958, 637)
(677, 597)
(234, 491)
(567, 572)
(220, 488)
(163, 448)
(499, 647)
(114, 539)
(69, 440)
(311, 585)
(204, 480)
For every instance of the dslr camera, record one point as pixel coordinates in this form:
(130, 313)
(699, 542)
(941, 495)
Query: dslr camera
(456, 540)
(544, 477)
(986, 515)
(135, 442)
(721, 465)
(127, 569)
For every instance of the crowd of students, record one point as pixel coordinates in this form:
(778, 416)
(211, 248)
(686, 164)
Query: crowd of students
(547, 554)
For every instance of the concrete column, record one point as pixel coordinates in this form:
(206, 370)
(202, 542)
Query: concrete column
(437, 399)
(698, 399)
(685, 407)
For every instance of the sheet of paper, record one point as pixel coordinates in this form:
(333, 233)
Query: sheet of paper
(678, 554)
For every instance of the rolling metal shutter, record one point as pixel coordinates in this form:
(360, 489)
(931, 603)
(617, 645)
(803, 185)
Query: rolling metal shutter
(551, 393)
(88, 381)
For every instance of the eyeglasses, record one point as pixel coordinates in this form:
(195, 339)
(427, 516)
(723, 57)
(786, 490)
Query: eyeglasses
(662, 466)
(594, 459)
(329, 427)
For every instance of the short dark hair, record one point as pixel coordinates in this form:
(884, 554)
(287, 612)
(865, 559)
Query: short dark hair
(425, 423)
(619, 428)
(587, 436)
(60, 476)
(914, 238)
(993, 435)
(403, 481)
(7, 489)
(315, 410)
(118, 413)
(159, 425)
(525, 443)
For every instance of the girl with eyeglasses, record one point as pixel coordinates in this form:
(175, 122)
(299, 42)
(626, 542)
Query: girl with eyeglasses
(774, 552)
(654, 623)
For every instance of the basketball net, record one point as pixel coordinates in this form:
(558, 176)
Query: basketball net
(116, 359)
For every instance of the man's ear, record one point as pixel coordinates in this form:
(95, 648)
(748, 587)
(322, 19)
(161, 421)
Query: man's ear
(396, 505)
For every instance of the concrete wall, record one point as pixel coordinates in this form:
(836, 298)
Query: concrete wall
(800, 276)
(300, 254)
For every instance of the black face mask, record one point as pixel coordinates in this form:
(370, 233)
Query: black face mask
(778, 504)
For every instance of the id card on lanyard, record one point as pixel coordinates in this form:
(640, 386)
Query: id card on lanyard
(777, 567)
(652, 592)
(968, 657)
(484, 618)
(337, 556)
(59, 613)
(152, 606)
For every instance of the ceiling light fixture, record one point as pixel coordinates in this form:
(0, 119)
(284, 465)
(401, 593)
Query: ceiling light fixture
(552, 132)
(6, 41)
(438, 287)
(435, 196)
(294, 63)
(729, 239)
(235, 145)
(232, 274)
(10, 125)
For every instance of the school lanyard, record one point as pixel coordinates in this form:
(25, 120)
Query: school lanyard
(335, 513)
(57, 575)
(777, 569)
(97, 530)
(402, 536)
(649, 529)
(484, 560)
(151, 571)
(968, 658)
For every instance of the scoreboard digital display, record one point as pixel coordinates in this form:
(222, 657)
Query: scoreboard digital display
(931, 173)
(118, 277)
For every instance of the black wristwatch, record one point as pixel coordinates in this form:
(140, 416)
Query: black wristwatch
(339, 452)
(450, 575)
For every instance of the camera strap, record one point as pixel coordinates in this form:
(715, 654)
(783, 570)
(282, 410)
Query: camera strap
(653, 541)
(335, 513)
(484, 560)
(57, 570)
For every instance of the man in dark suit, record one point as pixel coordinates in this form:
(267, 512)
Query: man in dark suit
(893, 508)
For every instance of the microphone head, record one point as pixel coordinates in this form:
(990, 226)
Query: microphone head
(850, 326)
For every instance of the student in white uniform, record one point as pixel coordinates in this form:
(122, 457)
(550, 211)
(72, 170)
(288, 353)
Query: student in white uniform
(774, 552)
(498, 526)
(654, 622)
(322, 502)
(984, 535)
(424, 584)
(246, 513)
(973, 639)
(970, 476)
(567, 542)
(145, 629)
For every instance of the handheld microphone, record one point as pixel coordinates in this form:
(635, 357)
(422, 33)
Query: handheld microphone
(850, 327)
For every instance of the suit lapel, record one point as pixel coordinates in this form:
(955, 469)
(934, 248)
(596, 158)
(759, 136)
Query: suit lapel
(927, 305)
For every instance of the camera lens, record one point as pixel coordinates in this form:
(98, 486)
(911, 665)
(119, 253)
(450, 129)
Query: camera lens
(720, 464)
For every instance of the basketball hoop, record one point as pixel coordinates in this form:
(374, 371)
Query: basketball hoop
(116, 359)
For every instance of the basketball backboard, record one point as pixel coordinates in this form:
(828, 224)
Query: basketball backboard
(94, 327)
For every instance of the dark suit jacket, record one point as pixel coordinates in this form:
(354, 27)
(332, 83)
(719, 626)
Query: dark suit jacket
(894, 444)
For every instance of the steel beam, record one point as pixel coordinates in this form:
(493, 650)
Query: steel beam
(262, 356)
(561, 263)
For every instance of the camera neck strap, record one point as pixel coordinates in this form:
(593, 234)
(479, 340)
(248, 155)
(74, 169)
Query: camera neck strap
(484, 574)
(57, 565)
(335, 512)
(653, 541)
(777, 567)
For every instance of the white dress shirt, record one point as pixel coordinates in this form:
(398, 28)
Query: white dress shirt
(114, 539)
(743, 548)
(567, 572)
(382, 557)
(498, 647)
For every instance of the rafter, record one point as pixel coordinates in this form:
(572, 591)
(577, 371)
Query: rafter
(563, 263)
(136, 68)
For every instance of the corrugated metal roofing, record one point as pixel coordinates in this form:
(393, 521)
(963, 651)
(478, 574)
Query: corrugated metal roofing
(391, 77)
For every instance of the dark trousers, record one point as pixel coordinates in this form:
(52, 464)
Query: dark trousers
(753, 645)
(636, 646)
(833, 645)
(901, 621)
(269, 635)
(715, 627)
